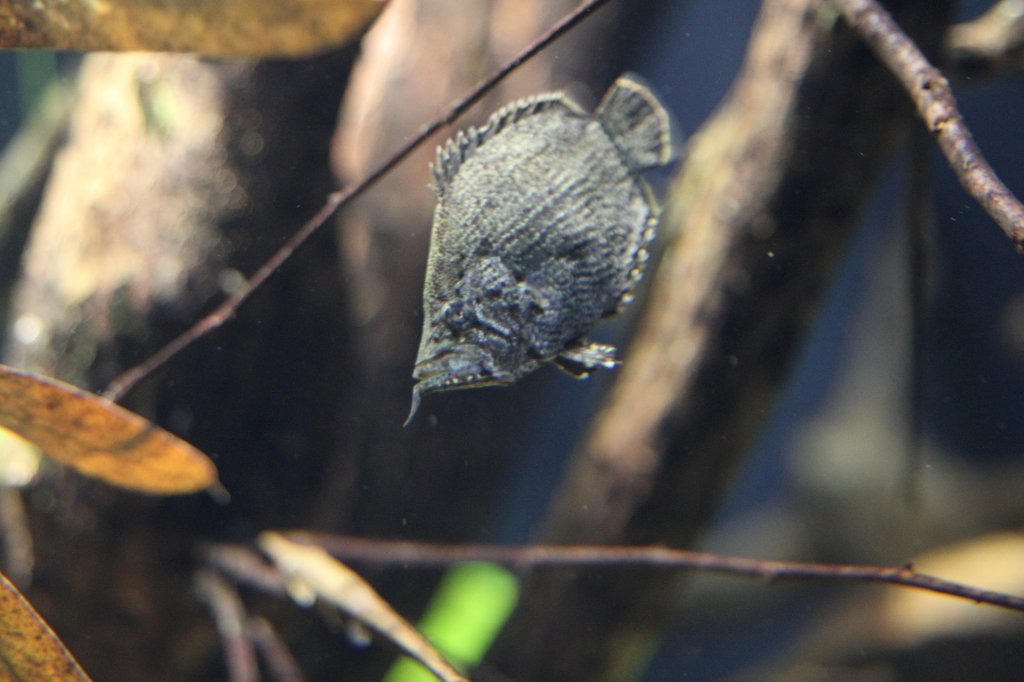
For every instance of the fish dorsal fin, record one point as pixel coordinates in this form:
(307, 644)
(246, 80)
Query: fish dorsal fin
(455, 151)
(637, 123)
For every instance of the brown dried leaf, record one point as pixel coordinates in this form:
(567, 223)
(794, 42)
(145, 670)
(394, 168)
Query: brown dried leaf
(98, 438)
(221, 27)
(315, 574)
(29, 650)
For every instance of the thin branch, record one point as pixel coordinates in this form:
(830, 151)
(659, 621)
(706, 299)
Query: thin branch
(336, 200)
(230, 617)
(246, 567)
(935, 103)
(389, 552)
(278, 657)
(919, 223)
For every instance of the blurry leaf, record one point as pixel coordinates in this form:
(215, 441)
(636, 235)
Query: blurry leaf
(994, 562)
(98, 438)
(221, 27)
(315, 574)
(28, 648)
(19, 460)
(467, 612)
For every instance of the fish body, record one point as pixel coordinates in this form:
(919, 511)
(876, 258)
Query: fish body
(541, 229)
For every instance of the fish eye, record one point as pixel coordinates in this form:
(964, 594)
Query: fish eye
(456, 316)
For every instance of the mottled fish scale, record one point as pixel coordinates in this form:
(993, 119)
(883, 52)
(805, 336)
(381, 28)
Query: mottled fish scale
(525, 221)
(541, 229)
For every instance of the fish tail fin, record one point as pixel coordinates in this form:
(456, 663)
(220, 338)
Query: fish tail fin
(638, 123)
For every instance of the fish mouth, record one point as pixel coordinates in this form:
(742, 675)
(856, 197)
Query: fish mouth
(451, 369)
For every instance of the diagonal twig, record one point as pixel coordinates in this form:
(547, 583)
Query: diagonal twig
(935, 104)
(336, 200)
(230, 617)
(279, 659)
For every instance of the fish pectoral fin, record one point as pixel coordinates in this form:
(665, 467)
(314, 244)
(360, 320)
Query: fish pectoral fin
(581, 359)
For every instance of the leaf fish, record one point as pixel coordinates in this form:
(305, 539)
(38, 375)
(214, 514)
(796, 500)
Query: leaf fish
(541, 229)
